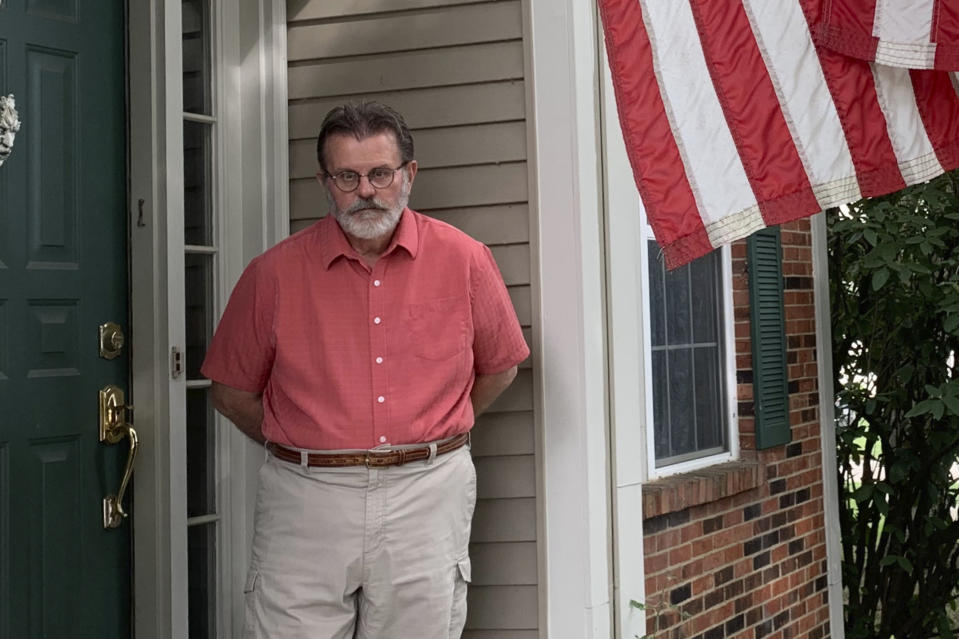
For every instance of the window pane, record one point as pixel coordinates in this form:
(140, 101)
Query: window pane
(703, 275)
(710, 398)
(201, 568)
(682, 421)
(197, 184)
(657, 296)
(196, 57)
(200, 453)
(660, 404)
(199, 310)
(679, 328)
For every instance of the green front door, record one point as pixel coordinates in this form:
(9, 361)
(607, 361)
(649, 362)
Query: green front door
(63, 238)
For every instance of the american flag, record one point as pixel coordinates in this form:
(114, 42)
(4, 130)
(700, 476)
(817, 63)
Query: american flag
(737, 117)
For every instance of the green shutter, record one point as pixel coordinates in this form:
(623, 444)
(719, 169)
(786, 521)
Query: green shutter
(768, 332)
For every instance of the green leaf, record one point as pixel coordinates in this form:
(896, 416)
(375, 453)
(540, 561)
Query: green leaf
(879, 278)
(939, 523)
(871, 236)
(921, 408)
(952, 403)
(905, 564)
(938, 408)
(863, 493)
(897, 533)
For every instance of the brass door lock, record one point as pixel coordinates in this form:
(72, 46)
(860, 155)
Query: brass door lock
(114, 428)
(111, 340)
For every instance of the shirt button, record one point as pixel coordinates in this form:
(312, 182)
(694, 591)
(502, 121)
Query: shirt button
(376, 282)
(376, 320)
(382, 439)
(381, 399)
(379, 360)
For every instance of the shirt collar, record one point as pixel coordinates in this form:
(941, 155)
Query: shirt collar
(333, 242)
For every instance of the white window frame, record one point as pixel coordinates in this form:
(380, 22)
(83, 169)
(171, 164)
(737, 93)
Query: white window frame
(729, 368)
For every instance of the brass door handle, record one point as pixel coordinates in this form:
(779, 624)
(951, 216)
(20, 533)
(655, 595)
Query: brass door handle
(114, 427)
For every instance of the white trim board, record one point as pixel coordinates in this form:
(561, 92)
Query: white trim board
(571, 386)
(827, 426)
(254, 192)
(628, 323)
(260, 186)
(155, 126)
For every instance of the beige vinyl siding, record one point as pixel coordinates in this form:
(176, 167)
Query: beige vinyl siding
(454, 68)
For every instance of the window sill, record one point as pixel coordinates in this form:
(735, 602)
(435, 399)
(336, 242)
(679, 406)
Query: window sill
(679, 492)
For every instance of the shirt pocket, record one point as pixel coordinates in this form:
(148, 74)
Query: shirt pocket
(438, 329)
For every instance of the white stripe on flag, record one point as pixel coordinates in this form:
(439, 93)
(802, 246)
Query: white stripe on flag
(914, 152)
(904, 29)
(787, 48)
(903, 20)
(696, 117)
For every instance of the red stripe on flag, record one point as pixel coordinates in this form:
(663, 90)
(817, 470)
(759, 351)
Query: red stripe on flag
(653, 153)
(853, 92)
(945, 33)
(846, 26)
(753, 114)
(939, 108)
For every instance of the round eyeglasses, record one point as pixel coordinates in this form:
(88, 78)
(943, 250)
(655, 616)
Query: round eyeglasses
(380, 178)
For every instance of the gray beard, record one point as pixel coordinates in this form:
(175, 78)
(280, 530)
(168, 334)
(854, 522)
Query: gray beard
(377, 221)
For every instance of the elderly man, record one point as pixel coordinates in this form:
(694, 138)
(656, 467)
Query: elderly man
(360, 351)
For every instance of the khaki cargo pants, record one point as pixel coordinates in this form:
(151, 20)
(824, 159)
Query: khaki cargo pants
(364, 553)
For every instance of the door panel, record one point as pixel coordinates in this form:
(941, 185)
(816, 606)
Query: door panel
(63, 237)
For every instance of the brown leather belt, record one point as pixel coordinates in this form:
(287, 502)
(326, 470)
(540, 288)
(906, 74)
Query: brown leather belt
(369, 458)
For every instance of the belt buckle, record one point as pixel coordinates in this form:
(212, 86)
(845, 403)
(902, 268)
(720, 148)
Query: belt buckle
(379, 458)
(371, 460)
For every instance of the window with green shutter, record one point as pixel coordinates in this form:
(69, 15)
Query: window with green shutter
(768, 333)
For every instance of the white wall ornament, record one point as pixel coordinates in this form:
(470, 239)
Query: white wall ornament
(9, 125)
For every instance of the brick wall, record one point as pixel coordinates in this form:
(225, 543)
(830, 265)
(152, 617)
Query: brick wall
(739, 550)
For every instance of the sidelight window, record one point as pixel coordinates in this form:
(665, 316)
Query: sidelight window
(200, 250)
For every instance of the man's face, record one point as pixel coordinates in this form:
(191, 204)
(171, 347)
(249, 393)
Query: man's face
(367, 213)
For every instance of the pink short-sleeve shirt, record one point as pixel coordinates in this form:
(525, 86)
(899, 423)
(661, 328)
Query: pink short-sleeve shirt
(348, 357)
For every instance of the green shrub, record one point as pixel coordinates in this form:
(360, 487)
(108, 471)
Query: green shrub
(894, 289)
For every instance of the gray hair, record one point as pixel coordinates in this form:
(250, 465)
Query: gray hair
(361, 120)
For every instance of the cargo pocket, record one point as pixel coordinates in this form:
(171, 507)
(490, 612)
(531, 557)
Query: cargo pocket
(461, 579)
(249, 593)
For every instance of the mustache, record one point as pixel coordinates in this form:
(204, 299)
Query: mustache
(371, 203)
